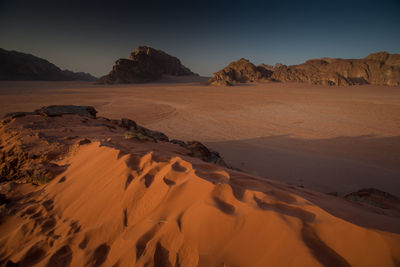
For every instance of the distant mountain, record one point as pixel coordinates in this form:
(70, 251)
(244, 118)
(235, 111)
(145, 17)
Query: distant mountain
(145, 64)
(17, 66)
(378, 68)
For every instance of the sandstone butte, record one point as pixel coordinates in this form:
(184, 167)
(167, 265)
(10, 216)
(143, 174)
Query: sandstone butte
(378, 68)
(144, 65)
(82, 190)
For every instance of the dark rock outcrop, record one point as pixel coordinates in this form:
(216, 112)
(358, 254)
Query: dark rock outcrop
(58, 110)
(52, 111)
(197, 149)
(240, 71)
(24, 160)
(200, 151)
(17, 66)
(375, 197)
(145, 64)
(378, 68)
(132, 126)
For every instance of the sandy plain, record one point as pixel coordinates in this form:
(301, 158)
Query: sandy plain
(127, 202)
(329, 139)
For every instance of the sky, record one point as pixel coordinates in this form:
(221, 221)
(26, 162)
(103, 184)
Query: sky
(205, 35)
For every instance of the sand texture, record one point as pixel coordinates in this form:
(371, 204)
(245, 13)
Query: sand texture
(115, 201)
(330, 139)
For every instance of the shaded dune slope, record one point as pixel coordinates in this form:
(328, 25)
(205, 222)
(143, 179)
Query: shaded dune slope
(124, 202)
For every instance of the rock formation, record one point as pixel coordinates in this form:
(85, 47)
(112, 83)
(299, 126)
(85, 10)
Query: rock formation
(35, 164)
(198, 150)
(375, 197)
(378, 68)
(145, 64)
(240, 71)
(25, 67)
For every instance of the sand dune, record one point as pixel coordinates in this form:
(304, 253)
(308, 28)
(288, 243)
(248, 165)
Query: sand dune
(125, 202)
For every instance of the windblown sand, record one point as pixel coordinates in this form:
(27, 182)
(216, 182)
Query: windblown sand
(126, 202)
(331, 139)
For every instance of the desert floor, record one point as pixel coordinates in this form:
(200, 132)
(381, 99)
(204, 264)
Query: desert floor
(330, 139)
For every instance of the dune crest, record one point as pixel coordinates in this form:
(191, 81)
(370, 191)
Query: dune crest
(123, 201)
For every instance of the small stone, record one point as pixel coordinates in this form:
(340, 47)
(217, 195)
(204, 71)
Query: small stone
(83, 142)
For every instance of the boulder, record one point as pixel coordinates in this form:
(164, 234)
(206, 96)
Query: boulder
(128, 124)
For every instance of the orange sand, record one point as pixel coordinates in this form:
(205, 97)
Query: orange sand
(330, 139)
(132, 203)
(176, 210)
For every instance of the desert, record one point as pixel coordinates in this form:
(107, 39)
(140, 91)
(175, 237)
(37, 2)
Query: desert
(199, 133)
(294, 153)
(335, 139)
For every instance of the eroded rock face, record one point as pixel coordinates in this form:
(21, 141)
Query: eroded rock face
(151, 134)
(378, 68)
(145, 64)
(240, 71)
(200, 151)
(16, 66)
(57, 110)
(375, 197)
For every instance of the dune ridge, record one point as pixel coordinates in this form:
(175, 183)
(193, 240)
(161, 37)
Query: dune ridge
(128, 201)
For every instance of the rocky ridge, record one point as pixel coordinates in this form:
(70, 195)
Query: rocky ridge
(17, 66)
(378, 68)
(32, 160)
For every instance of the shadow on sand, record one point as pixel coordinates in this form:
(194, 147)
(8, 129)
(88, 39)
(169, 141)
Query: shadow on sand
(341, 164)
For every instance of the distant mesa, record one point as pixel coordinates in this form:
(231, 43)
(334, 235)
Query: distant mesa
(378, 68)
(17, 66)
(145, 64)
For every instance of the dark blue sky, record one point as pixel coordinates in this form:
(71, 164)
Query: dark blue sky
(206, 35)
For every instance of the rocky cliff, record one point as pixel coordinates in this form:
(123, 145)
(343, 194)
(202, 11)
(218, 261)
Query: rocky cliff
(145, 64)
(240, 71)
(16, 66)
(379, 68)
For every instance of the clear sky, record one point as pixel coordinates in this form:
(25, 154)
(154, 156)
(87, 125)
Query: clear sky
(205, 35)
